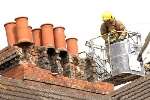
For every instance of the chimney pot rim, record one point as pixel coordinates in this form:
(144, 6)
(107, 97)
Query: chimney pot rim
(9, 23)
(59, 27)
(36, 29)
(21, 17)
(71, 38)
(47, 24)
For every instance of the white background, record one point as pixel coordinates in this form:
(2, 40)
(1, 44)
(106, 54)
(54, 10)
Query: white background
(81, 18)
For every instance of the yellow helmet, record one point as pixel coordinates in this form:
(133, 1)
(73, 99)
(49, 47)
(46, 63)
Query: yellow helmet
(107, 16)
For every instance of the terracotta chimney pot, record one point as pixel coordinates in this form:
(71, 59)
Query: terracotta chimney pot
(30, 33)
(11, 33)
(59, 38)
(37, 36)
(72, 46)
(47, 35)
(23, 34)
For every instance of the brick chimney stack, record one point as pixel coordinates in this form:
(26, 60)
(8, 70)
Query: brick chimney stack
(46, 59)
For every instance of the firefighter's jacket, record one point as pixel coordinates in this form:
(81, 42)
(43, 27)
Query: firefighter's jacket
(116, 31)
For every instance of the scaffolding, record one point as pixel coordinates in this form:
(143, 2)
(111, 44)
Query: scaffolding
(122, 65)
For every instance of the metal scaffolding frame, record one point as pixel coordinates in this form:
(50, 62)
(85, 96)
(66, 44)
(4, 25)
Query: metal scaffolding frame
(98, 53)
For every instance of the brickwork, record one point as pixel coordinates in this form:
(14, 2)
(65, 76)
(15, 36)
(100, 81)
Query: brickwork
(36, 64)
(12, 89)
(34, 73)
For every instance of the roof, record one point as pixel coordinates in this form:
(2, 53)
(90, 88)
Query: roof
(136, 90)
(12, 89)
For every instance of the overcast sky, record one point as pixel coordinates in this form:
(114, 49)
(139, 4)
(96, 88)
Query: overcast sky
(81, 18)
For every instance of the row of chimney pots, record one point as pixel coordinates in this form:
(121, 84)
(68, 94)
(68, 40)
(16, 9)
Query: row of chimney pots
(19, 32)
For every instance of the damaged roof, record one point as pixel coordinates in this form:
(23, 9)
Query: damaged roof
(12, 89)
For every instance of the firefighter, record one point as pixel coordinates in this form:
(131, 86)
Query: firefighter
(112, 31)
(112, 28)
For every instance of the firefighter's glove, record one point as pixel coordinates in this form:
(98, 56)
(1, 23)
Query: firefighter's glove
(112, 40)
(121, 38)
(113, 31)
